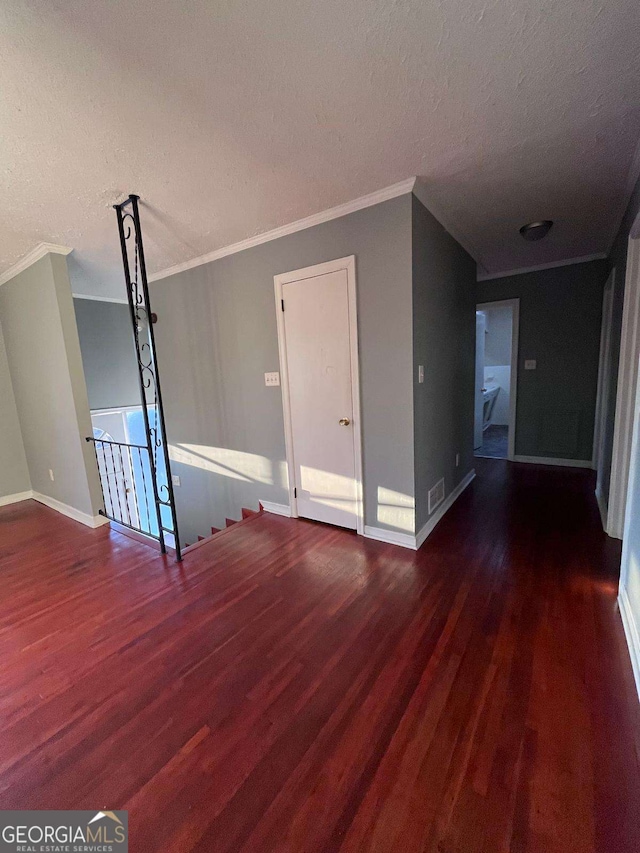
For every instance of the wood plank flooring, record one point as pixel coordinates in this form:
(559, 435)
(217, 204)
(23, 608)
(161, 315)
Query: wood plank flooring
(294, 687)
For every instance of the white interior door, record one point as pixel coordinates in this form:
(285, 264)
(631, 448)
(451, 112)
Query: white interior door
(318, 347)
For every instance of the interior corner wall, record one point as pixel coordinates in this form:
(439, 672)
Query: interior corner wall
(14, 473)
(216, 337)
(108, 354)
(560, 319)
(43, 353)
(444, 278)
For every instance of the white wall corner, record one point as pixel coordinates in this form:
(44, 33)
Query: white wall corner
(444, 507)
(632, 634)
(31, 257)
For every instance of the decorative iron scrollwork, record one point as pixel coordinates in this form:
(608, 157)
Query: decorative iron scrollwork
(142, 319)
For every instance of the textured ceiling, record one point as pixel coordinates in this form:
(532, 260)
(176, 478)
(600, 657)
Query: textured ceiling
(230, 118)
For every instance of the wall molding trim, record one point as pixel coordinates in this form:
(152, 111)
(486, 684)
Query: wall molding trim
(70, 512)
(550, 460)
(16, 498)
(626, 389)
(583, 259)
(429, 526)
(393, 191)
(408, 540)
(602, 507)
(31, 257)
(115, 299)
(391, 537)
(276, 509)
(632, 634)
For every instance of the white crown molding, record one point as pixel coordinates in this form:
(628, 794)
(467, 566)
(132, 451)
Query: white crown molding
(364, 201)
(489, 276)
(100, 298)
(31, 257)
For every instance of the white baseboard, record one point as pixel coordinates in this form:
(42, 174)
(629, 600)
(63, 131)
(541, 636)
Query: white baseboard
(444, 507)
(69, 511)
(276, 509)
(408, 540)
(602, 507)
(14, 499)
(392, 537)
(632, 634)
(550, 460)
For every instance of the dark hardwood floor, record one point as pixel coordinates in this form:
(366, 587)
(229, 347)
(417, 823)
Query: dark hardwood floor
(293, 687)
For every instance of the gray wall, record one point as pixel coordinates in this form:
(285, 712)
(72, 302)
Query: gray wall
(560, 317)
(43, 353)
(14, 474)
(444, 278)
(108, 353)
(216, 337)
(617, 261)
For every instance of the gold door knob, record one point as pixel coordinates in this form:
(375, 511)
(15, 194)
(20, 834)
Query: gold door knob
(344, 421)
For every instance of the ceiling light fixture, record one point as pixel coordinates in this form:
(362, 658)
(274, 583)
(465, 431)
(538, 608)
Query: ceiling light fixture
(536, 230)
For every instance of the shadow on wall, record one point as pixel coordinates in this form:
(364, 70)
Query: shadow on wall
(395, 509)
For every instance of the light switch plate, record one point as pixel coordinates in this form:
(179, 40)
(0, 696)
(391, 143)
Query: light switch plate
(530, 364)
(272, 379)
(421, 373)
(175, 479)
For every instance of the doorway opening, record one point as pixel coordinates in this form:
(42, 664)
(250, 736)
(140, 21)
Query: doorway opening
(496, 375)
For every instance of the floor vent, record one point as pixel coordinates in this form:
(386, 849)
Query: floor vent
(436, 495)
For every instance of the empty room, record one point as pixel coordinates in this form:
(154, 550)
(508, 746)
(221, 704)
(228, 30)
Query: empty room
(320, 426)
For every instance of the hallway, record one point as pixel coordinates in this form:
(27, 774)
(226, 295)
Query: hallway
(294, 687)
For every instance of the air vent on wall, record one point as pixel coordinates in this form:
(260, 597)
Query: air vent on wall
(436, 495)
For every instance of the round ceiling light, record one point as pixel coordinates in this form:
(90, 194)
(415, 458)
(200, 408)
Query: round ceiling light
(536, 230)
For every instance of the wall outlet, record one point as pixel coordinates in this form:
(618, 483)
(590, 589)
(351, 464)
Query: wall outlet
(272, 379)
(175, 479)
(51, 477)
(421, 373)
(457, 460)
(530, 364)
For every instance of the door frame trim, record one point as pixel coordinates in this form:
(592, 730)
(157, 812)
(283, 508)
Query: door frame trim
(514, 304)
(308, 273)
(626, 387)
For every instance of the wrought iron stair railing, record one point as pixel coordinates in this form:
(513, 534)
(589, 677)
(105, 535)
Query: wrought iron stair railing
(122, 505)
(127, 490)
